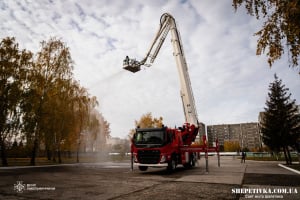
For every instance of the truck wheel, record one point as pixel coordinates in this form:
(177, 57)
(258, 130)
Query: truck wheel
(191, 162)
(194, 160)
(143, 168)
(171, 165)
(187, 165)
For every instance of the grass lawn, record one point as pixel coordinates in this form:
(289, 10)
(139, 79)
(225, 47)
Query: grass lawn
(65, 160)
(294, 159)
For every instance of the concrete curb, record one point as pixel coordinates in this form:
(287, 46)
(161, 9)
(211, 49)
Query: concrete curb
(288, 168)
(38, 166)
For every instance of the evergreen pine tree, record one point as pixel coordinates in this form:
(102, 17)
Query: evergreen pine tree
(281, 126)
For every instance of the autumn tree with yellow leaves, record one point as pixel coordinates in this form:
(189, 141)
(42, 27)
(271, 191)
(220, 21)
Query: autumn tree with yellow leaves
(281, 28)
(41, 102)
(147, 121)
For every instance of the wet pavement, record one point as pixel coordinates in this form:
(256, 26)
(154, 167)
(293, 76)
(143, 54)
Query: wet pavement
(116, 181)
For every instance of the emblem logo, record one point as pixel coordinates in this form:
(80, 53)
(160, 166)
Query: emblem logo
(19, 187)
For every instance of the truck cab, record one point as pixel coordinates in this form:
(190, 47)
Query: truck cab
(154, 147)
(161, 147)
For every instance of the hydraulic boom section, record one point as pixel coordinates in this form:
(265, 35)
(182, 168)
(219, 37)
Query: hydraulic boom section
(168, 24)
(168, 147)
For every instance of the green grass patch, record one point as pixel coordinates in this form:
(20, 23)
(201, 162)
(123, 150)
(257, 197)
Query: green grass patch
(294, 159)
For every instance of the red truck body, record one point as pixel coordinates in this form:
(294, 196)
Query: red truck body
(167, 147)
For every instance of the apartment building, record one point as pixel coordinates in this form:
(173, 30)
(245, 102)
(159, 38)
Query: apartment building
(247, 134)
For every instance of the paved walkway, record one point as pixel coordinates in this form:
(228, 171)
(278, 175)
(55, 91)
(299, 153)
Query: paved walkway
(278, 182)
(274, 181)
(231, 171)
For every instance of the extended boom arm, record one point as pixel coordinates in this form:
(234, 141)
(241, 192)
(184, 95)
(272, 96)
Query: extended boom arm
(168, 24)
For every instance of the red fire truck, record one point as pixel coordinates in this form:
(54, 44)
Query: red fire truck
(164, 146)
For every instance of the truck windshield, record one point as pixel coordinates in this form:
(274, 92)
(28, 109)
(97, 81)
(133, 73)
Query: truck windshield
(149, 138)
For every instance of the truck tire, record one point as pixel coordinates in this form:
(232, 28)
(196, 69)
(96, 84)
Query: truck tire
(172, 164)
(143, 168)
(187, 165)
(194, 159)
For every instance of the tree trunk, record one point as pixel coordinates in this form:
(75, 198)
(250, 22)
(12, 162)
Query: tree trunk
(34, 150)
(77, 155)
(289, 155)
(53, 154)
(285, 155)
(3, 153)
(59, 155)
(48, 154)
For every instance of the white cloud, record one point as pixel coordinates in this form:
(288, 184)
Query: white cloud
(230, 83)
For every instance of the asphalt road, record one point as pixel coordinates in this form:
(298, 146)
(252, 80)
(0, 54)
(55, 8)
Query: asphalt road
(117, 181)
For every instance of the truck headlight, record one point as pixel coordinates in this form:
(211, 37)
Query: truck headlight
(163, 159)
(135, 158)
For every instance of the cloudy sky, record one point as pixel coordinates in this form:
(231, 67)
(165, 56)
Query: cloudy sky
(230, 83)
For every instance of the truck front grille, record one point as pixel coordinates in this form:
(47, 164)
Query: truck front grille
(148, 156)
